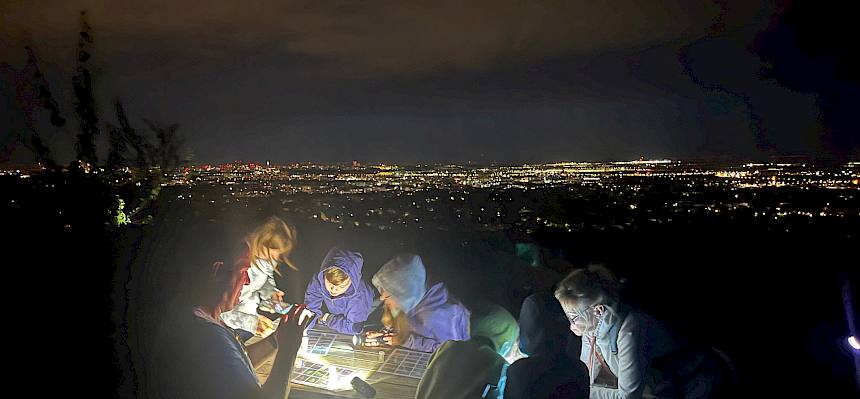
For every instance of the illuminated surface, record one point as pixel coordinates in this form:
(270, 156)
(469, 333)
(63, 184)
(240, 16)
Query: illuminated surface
(406, 363)
(314, 370)
(328, 361)
(325, 376)
(319, 343)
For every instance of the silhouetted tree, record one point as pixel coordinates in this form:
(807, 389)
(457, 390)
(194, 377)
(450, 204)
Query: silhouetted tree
(45, 98)
(33, 92)
(116, 147)
(168, 143)
(85, 105)
(143, 149)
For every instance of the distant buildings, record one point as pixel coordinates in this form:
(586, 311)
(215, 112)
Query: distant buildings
(593, 196)
(266, 179)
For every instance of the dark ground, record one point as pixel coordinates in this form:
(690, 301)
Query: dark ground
(770, 300)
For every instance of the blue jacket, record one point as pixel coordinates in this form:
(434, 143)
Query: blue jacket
(350, 309)
(437, 318)
(197, 357)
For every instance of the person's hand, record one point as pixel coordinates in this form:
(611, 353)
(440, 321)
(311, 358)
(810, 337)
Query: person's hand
(278, 296)
(264, 326)
(371, 338)
(289, 331)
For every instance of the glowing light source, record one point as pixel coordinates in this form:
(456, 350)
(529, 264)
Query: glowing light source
(852, 340)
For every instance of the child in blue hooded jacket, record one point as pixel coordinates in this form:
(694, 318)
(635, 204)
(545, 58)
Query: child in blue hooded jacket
(338, 294)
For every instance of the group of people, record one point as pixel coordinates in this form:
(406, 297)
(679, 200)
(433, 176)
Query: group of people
(579, 341)
(414, 315)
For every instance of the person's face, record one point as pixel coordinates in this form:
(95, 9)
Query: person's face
(388, 301)
(577, 323)
(273, 254)
(336, 290)
(581, 321)
(238, 279)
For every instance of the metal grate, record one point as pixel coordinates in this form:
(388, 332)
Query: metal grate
(320, 343)
(406, 363)
(318, 375)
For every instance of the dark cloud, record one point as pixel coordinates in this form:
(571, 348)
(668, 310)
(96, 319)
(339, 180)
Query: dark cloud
(383, 37)
(808, 48)
(507, 81)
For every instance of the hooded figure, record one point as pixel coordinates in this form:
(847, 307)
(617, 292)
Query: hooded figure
(347, 311)
(433, 316)
(552, 368)
(473, 368)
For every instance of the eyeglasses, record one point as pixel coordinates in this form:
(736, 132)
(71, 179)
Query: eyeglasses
(573, 316)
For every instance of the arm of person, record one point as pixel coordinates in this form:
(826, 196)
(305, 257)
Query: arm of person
(451, 324)
(349, 323)
(262, 350)
(631, 382)
(314, 298)
(277, 386)
(356, 314)
(421, 343)
(288, 338)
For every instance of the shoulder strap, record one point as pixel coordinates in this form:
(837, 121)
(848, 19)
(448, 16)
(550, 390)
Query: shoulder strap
(622, 313)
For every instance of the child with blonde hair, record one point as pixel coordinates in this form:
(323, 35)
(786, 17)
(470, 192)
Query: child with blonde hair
(269, 246)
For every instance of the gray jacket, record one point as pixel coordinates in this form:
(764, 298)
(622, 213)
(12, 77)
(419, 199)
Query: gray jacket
(629, 342)
(244, 315)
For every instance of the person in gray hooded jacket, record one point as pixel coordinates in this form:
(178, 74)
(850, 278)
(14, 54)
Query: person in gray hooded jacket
(425, 317)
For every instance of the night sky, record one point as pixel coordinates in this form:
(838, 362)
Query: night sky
(440, 81)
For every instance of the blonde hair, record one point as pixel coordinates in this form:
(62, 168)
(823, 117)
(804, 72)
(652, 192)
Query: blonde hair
(399, 323)
(336, 275)
(587, 287)
(274, 234)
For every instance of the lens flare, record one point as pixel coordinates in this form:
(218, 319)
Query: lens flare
(852, 340)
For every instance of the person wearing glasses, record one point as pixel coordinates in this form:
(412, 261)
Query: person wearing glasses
(197, 355)
(416, 316)
(628, 353)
